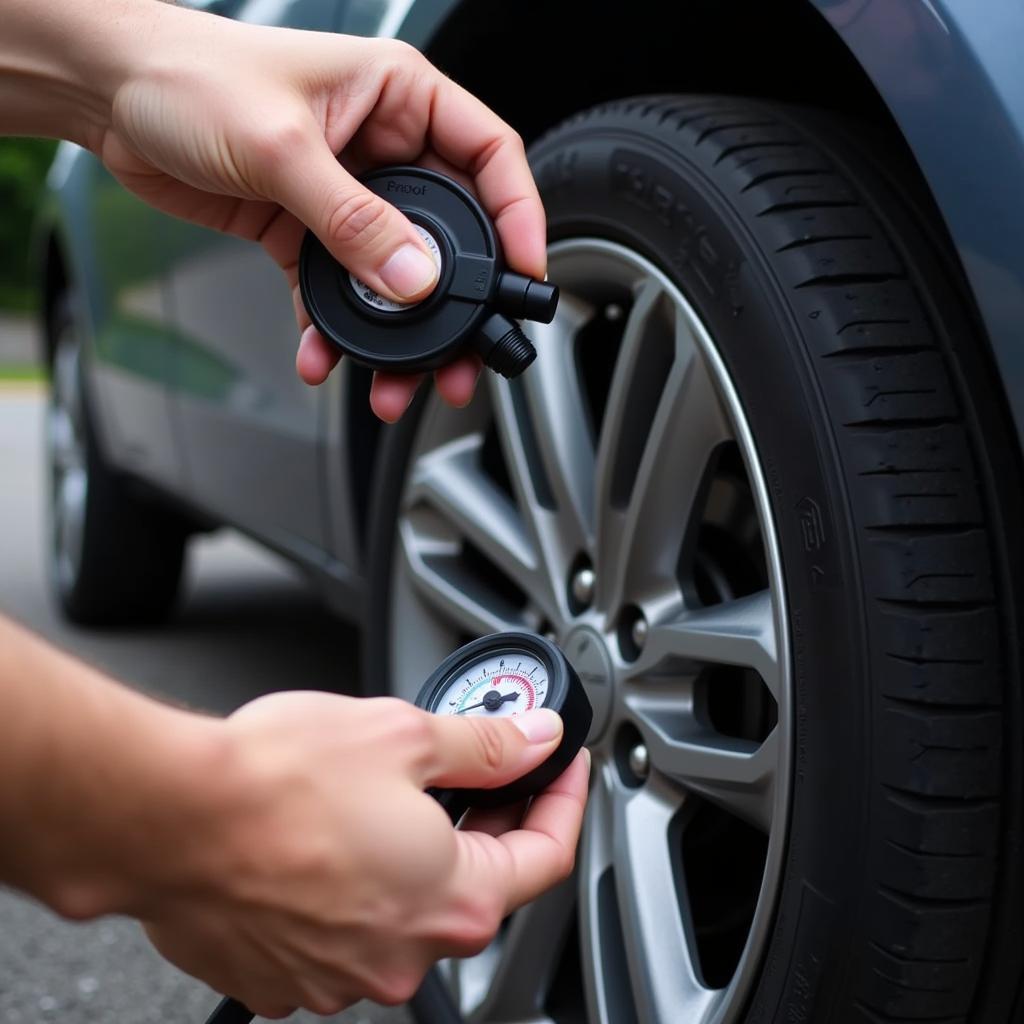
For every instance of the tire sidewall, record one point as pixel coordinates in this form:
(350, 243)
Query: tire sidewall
(664, 206)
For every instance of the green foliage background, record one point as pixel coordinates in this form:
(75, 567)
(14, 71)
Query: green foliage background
(23, 166)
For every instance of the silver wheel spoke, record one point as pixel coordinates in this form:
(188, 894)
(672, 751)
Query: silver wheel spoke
(65, 447)
(528, 958)
(451, 481)
(641, 528)
(738, 775)
(554, 402)
(739, 632)
(659, 942)
(433, 564)
(544, 525)
(600, 931)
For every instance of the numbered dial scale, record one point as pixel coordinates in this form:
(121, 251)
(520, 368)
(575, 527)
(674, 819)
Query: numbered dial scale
(502, 676)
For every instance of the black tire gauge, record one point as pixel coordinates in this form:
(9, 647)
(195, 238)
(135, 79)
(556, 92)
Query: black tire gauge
(474, 305)
(497, 676)
(501, 676)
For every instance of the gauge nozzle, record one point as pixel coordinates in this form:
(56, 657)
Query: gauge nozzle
(503, 346)
(526, 298)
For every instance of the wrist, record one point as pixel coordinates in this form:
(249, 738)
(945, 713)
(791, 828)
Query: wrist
(150, 840)
(62, 63)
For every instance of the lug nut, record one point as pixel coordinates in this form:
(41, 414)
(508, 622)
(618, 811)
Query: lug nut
(582, 586)
(639, 761)
(638, 632)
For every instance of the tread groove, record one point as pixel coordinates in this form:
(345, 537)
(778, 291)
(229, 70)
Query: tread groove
(925, 803)
(845, 280)
(876, 352)
(926, 607)
(901, 958)
(708, 132)
(808, 204)
(930, 854)
(810, 172)
(911, 660)
(915, 901)
(801, 243)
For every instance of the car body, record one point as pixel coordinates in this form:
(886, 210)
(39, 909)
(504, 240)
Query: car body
(189, 337)
(207, 379)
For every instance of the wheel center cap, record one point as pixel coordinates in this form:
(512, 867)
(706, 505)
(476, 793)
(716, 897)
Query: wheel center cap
(586, 651)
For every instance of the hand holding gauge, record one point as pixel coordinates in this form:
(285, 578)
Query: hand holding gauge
(504, 675)
(501, 675)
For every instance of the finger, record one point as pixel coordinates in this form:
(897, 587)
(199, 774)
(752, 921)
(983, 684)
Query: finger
(464, 131)
(494, 821)
(271, 1011)
(543, 850)
(473, 751)
(391, 393)
(315, 357)
(361, 230)
(456, 382)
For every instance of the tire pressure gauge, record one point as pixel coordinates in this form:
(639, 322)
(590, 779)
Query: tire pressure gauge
(501, 676)
(497, 676)
(474, 305)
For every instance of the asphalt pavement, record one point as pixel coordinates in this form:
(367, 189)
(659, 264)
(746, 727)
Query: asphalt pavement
(247, 625)
(19, 339)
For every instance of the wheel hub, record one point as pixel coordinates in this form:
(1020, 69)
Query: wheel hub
(587, 651)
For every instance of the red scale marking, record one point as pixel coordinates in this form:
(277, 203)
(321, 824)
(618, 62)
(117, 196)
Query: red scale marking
(521, 680)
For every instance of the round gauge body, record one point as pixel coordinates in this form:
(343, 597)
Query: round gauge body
(504, 675)
(474, 303)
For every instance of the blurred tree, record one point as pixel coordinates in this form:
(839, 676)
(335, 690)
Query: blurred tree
(23, 166)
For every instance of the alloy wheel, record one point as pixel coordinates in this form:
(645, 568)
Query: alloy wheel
(66, 447)
(613, 498)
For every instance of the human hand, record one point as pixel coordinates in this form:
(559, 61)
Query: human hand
(331, 876)
(236, 127)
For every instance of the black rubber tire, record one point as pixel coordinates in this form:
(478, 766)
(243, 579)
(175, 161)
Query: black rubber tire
(895, 483)
(133, 548)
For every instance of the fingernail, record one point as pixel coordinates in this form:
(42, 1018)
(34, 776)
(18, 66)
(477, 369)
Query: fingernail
(409, 271)
(540, 725)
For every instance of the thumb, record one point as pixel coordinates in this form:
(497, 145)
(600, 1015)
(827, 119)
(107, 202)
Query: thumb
(481, 753)
(365, 233)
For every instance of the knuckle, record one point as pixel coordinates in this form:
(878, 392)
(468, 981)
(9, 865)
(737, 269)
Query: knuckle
(327, 1005)
(408, 727)
(356, 217)
(490, 742)
(277, 143)
(479, 930)
(567, 863)
(396, 987)
(403, 53)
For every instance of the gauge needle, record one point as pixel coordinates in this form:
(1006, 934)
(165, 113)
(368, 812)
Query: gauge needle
(492, 701)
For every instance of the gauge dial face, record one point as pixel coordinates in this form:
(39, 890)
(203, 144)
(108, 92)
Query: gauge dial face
(500, 685)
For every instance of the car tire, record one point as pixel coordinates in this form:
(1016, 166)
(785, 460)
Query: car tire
(874, 423)
(115, 556)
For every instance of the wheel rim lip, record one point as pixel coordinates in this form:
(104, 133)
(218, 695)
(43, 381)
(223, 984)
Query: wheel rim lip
(734, 997)
(66, 455)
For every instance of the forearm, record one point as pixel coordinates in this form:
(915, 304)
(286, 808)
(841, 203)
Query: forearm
(62, 61)
(105, 794)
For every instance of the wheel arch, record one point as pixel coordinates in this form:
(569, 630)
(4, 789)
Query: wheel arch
(512, 55)
(912, 68)
(835, 55)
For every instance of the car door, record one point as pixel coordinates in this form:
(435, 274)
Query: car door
(250, 428)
